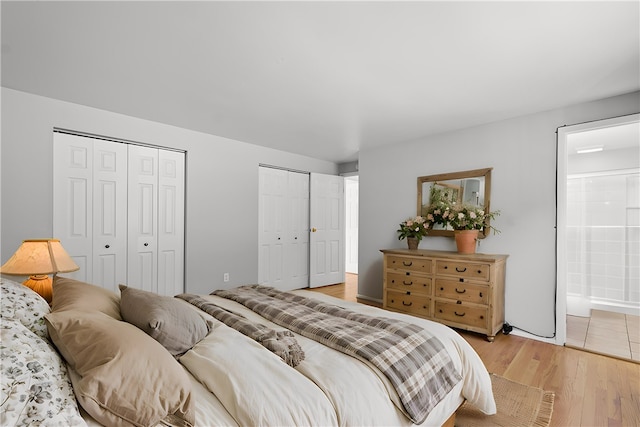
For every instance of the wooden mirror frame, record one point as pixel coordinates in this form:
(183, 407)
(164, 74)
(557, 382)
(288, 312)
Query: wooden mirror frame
(476, 173)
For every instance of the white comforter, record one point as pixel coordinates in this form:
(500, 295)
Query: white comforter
(251, 386)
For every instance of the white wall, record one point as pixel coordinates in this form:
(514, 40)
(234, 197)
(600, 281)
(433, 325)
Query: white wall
(222, 183)
(522, 152)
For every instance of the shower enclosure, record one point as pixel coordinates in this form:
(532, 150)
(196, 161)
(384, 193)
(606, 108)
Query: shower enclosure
(603, 241)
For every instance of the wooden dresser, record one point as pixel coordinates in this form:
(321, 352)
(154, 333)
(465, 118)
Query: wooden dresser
(464, 291)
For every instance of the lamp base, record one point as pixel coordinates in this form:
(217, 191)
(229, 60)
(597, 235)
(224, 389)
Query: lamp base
(41, 284)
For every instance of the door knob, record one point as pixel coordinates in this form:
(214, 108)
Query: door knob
(146, 244)
(313, 230)
(106, 246)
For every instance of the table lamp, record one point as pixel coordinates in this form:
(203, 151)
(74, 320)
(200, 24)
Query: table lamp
(37, 259)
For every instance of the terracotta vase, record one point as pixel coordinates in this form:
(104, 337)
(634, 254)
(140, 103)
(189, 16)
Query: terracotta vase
(413, 242)
(466, 241)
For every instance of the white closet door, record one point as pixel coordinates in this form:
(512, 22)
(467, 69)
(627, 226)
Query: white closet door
(271, 225)
(297, 242)
(327, 215)
(72, 206)
(143, 218)
(284, 229)
(171, 223)
(109, 214)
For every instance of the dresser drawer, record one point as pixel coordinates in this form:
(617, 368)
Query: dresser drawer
(422, 265)
(409, 303)
(461, 313)
(461, 291)
(467, 270)
(409, 281)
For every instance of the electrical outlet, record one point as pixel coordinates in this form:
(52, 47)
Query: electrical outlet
(226, 277)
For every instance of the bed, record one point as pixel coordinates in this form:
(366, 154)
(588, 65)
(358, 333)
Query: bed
(134, 358)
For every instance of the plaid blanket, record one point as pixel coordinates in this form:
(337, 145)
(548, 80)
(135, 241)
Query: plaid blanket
(282, 343)
(413, 360)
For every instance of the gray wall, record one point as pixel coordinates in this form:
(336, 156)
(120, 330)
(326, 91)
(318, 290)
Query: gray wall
(522, 152)
(222, 191)
(222, 183)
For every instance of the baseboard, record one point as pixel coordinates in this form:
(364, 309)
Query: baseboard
(364, 297)
(524, 334)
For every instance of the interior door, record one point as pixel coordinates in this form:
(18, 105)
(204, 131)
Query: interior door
(327, 220)
(110, 214)
(143, 218)
(297, 237)
(72, 206)
(271, 222)
(284, 229)
(171, 166)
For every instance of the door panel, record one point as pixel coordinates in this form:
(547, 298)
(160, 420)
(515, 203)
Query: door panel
(119, 212)
(298, 234)
(327, 217)
(72, 207)
(142, 218)
(171, 222)
(271, 220)
(284, 229)
(110, 214)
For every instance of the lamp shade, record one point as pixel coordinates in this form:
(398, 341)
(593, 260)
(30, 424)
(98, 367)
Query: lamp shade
(41, 256)
(37, 259)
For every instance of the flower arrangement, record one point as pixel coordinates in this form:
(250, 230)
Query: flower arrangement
(413, 227)
(439, 212)
(460, 217)
(468, 217)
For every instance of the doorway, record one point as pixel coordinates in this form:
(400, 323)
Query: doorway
(351, 190)
(599, 236)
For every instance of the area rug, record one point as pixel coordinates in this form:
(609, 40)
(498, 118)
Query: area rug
(518, 405)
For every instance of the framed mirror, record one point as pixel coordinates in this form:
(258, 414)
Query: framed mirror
(471, 187)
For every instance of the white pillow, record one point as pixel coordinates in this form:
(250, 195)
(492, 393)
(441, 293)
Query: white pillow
(35, 388)
(23, 304)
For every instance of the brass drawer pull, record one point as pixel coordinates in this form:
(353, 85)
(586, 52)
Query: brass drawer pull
(407, 284)
(461, 291)
(458, 314)
(407, 305)
(407, 265)
(461, 271)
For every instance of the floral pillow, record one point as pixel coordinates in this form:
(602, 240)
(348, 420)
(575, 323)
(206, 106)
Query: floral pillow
(24, 305)
(35, 388)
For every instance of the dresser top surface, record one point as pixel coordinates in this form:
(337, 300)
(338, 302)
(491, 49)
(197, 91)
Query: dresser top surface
(444, 254)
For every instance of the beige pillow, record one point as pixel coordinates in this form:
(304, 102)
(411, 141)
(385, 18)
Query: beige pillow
(122, 377)
(170, 321)
(71, 294)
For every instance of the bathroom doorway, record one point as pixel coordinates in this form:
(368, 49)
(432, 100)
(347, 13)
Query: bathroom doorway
(599, 236)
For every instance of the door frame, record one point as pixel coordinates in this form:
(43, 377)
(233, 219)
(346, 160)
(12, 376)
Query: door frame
(561, 211)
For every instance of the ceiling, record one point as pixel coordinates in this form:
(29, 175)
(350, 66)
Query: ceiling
(322, 79)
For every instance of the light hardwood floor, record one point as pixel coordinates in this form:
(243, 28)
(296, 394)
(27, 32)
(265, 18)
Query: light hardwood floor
(591, 390)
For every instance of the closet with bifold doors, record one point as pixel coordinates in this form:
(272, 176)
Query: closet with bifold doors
(118, 208)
